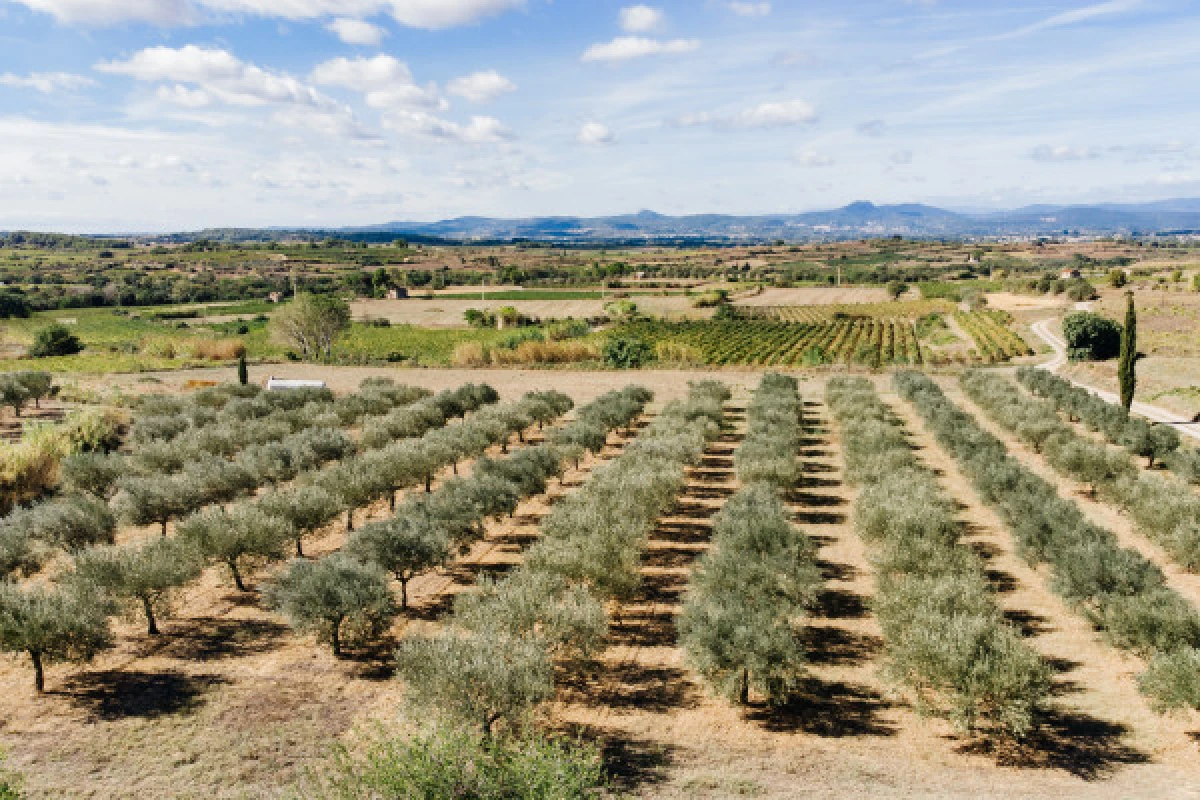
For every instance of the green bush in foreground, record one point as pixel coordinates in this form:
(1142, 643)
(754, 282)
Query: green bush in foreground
(54, 340)
(450, 764)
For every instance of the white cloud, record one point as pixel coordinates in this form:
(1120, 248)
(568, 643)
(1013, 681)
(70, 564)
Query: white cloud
(438, 14)
(362, 74)
(221, 74)
(294, 9)
(810, 158)
(183, 96)
(481, 87)
(357, 31)
(901, 157)
(385, 81)
(1059, 153)
(480, 130)
(765, 115)
(47, 82)
(750, 9)
(595, 134)
(114, 12)
(624, 48)
(428, 14)
(641, 19)
(775, 115)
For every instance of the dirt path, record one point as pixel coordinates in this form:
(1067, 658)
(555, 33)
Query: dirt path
(1187, 584)
(1098, 724)
(1153, 413)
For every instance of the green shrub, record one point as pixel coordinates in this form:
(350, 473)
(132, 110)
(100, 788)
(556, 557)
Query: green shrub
(627, 352)
(479, 680)
(1091, 337)
(1173, 680)
(455, 764)
(54, 340)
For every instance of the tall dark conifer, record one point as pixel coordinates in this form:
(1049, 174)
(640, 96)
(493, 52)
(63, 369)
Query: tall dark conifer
(1127, 367)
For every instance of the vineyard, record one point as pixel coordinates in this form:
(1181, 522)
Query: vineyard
(543, 585)
(866, 341)
(785, 344)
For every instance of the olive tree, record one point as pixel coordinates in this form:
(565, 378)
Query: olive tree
(336, 597)
(239, 538)
(306, 509)
(38, 385)
(476, 680)
(92, 473)
(20, 553)
(73, 523)
(1151, 442)
(270, 464)
(152, 500)
(567, 619)
(52, 624)
(355, 485)
(143, 576)
(13, 393)
(406, 546)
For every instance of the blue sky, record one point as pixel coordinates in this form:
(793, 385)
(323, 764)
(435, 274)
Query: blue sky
(180, 114)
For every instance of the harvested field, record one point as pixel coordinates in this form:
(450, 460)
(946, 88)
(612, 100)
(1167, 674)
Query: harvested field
(441, 312)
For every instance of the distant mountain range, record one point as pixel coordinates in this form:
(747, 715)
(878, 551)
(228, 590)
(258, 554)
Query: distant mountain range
(856, 220)
(852, 221)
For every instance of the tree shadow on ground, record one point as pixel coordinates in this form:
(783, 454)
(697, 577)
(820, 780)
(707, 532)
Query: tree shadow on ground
(683, 533)
(1029, 623)
(1087, 747)
(631, 686)
(840, 603)
(831, 709)
(631, 763)
(643, 627)
(832, 646)
(671, 557)
(374, 660)
(213, 638)
(112, 695)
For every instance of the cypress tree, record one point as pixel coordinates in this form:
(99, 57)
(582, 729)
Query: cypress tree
(243, 373)
(1127, 366)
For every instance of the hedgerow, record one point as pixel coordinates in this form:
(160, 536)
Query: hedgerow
(747, 595)
(1117, 589)
(493, 663)
(1162, 507)
(946, 639)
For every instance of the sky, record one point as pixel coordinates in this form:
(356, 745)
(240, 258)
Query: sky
(157, 115)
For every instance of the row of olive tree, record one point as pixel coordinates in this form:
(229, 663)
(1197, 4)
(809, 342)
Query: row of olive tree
(341, 595)
(1159, 443)
(1163, 507)
(494, 664)
(750, 591)
(773, 434)
(144, 578)
(946, 638)
(1115, 588)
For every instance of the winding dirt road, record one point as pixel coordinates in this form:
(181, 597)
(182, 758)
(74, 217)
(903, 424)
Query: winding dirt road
(1152, 413)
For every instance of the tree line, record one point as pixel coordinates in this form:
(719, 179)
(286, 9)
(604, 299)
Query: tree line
(946, 640)
(1116, 589)
(748, 595)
